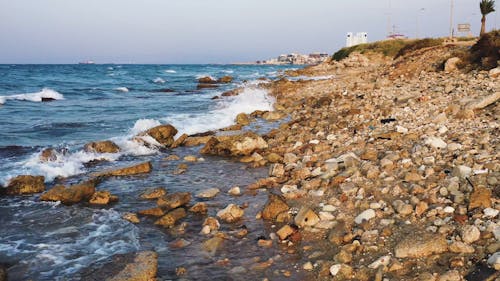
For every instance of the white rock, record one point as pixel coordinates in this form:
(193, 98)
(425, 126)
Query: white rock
(326, 216)
(314, 141)
(334, 269)
(454, 146)
(329, 208)
(231, 213)
(235, 191)
(384, 261)
(331, 137)
(208, 193)
(365, 216)
(288, 188)
(462, 171)
(442, 130)
(435, 142)
(493, 261)
(470, 234)
(449, 210)
(401, 130)
(308, 266)
(429, 160)
(494, 73)
(490, 212)
(205, 230)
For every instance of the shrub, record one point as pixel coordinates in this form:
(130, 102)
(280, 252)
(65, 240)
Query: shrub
(419, 44)
(388, 48)
(486, 52)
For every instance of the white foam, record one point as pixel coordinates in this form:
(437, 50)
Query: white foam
(122, 89)
(159, 80)
(142, 125)
(205, 75)
(170, 71)
(45, 93)
(224, 114)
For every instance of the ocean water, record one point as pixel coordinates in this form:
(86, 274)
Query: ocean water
(66, 106)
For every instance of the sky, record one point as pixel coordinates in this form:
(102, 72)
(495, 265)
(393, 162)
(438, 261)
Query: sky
(211, 31)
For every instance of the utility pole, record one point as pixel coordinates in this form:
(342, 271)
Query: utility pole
(389, 25)
(451, 20)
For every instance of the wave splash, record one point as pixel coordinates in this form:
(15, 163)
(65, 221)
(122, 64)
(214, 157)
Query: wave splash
(45, 94)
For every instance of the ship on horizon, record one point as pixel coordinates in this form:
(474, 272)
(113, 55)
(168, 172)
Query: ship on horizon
(87, 62)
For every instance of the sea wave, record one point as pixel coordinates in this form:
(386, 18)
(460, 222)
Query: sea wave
(170, 71)
(45, 94)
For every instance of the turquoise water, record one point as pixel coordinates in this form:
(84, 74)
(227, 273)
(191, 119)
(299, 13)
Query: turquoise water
(83, 103)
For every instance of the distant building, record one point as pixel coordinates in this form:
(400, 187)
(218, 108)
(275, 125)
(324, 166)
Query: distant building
(299, 59)
(356, 39)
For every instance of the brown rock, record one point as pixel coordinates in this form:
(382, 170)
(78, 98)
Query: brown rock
(237, 145)
(3, 273)
(131, 217)
(421, 245)
(48, 154)
(143, 268)
(180, 141)
(25, 185)
(171, 218)
(286, 231)
(274, 158)
(413, 177)
(231, 213)
(154, 193)
(306, 217)
(225, 79)
(277, 170)
(206, 86)
(200, 207)
(272, 116)
(195, 141)
(154, 212)
(164, 134)
(213, 244)
(275, 205)
(102, 147)
(480, 198)
(207, 80)
(70, 195)
(174, 200)
(138, 169)
(242, 119)
(103, 198)
(370, 154)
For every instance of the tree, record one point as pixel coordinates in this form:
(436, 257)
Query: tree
(486, 7)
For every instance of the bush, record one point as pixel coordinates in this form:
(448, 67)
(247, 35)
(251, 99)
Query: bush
(388, 48)
(486, 52)
(419, 44)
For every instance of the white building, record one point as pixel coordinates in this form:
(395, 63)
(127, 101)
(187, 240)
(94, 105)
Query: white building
(359, 38)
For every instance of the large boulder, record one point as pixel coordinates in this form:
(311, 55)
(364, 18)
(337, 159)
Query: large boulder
(171, 218)
(163, 134)
(237, 145)
(275, 205)
(102, 147)
(103, 197)
(138, 169)
(174, 200)
(231, 213)
(25, 184)
(225, 79)
(451, 64)
(207, 80)
(72, 194)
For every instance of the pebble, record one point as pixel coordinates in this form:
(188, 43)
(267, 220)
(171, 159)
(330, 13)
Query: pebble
(308, 266)
(435, 142)
(382, 261)
(208, 193)
(490, 213)
(470, 234)
(334, 269)
(235, 191)
(365, 216)
(494, 261)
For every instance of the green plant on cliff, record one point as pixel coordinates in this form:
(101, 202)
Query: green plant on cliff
(419, 44)
(486, 7)
(388, 48)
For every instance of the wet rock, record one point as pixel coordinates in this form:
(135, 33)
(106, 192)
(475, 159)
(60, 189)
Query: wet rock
(470, 234)
(452, 275)
(3, 273)
(154, 193)
(210, 224)
(70, 195)
(153, 212)
(366, 215)
(421, 245)
(102, 147)
(48, 155)
(306, 217)
(480, 198)
(213, 244)
(242, 119)
(237, 145)
(171, 158)
(25, 185)
(274, 158)
(265, 243)
(272, 116)
(103, 198)
(275, 205)
(163, 134)
(138, 169)
(179, 141)
(190, 158)
(494, 261)
(208, 193)
(179, 244)
(231, 213)
(174, 200)
(235, 191)
(131, 217)
(144, 267)
(225, 79)
(172, 217)
(199, 207)
(207, 80)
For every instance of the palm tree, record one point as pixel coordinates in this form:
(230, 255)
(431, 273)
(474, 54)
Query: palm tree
(486, 6)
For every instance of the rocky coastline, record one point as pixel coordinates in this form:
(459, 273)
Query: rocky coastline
(384, 170)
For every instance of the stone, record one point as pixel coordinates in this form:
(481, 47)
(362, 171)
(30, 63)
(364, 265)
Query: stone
(103, 198)
(163, 134)
(286, 231)
(274, 158)
(212, 224)
(413, 177)
(231, 213)
(236, 145)
(275, 205)
(70, 195)
(207, 80)
(276, 170)
(382, 261)
(308, 266)
(213, 244)
(208, 193)
(451, 275)
(225, 79)
(484, 101)
(461, 248)
(48, 155)
(435, 142)
(199, 207)
(153, 212)
(494, 261)
(242, 119)
(131, 217)
(154, 193)
(306, 217)
(142, 168)
(470, 234)
(171, 158)
(234, 191)
(480, 198)
(494, 73)
(369, 154)
(451, 64)
(143, 268)
(190, 158)
(420, 245)
(490, 213)
(366, 215)
(171, 218)
(3, 273)
(272, 116)
(102, 147)
(179, 141)
(174, 200)
(25, 184)
(461, 171)
(179, 244)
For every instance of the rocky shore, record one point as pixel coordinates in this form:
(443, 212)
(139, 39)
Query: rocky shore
(383, 170)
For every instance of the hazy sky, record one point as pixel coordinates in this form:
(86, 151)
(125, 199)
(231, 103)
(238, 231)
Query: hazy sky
(209, 31)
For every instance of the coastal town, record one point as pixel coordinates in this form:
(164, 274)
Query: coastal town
(296, 59)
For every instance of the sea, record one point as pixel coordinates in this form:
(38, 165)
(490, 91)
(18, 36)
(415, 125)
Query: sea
(66, 106)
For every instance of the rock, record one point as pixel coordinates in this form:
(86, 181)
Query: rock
(237, 145)
(179, 244)
(200, 207)
(225, 79)
(190, 158)
(276, 170)
(366, 215)
(451, 64)
(171, 218)
(435, 142)
(494, 261)
(470, 234)
(206, 86)
(286, 231)
(231, 213)
(306, 217)
(131, 217)
(265, 243)
(272, 116)
(102, 147)
(213, 244)
(462, 171)
(70, 195)
(212, 224)
(275, 205)
(274, 158)
(490, 213)
(208, 193)
(461, 248)
(143, 268)
(452, 275)
(480, 198)
(494, 73)
(207, 80)
(154, 212)
(142, 168)
(174, 200)
(242, 119)
(235, 191)
(48, 155)
(484, 101)
(308, 266)
(413, 177)
(103, 198)
(179, 141)
(25, 185)
(382, 261)
(171, 158)
(420, 245)
(154, 193)
(163, 134)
